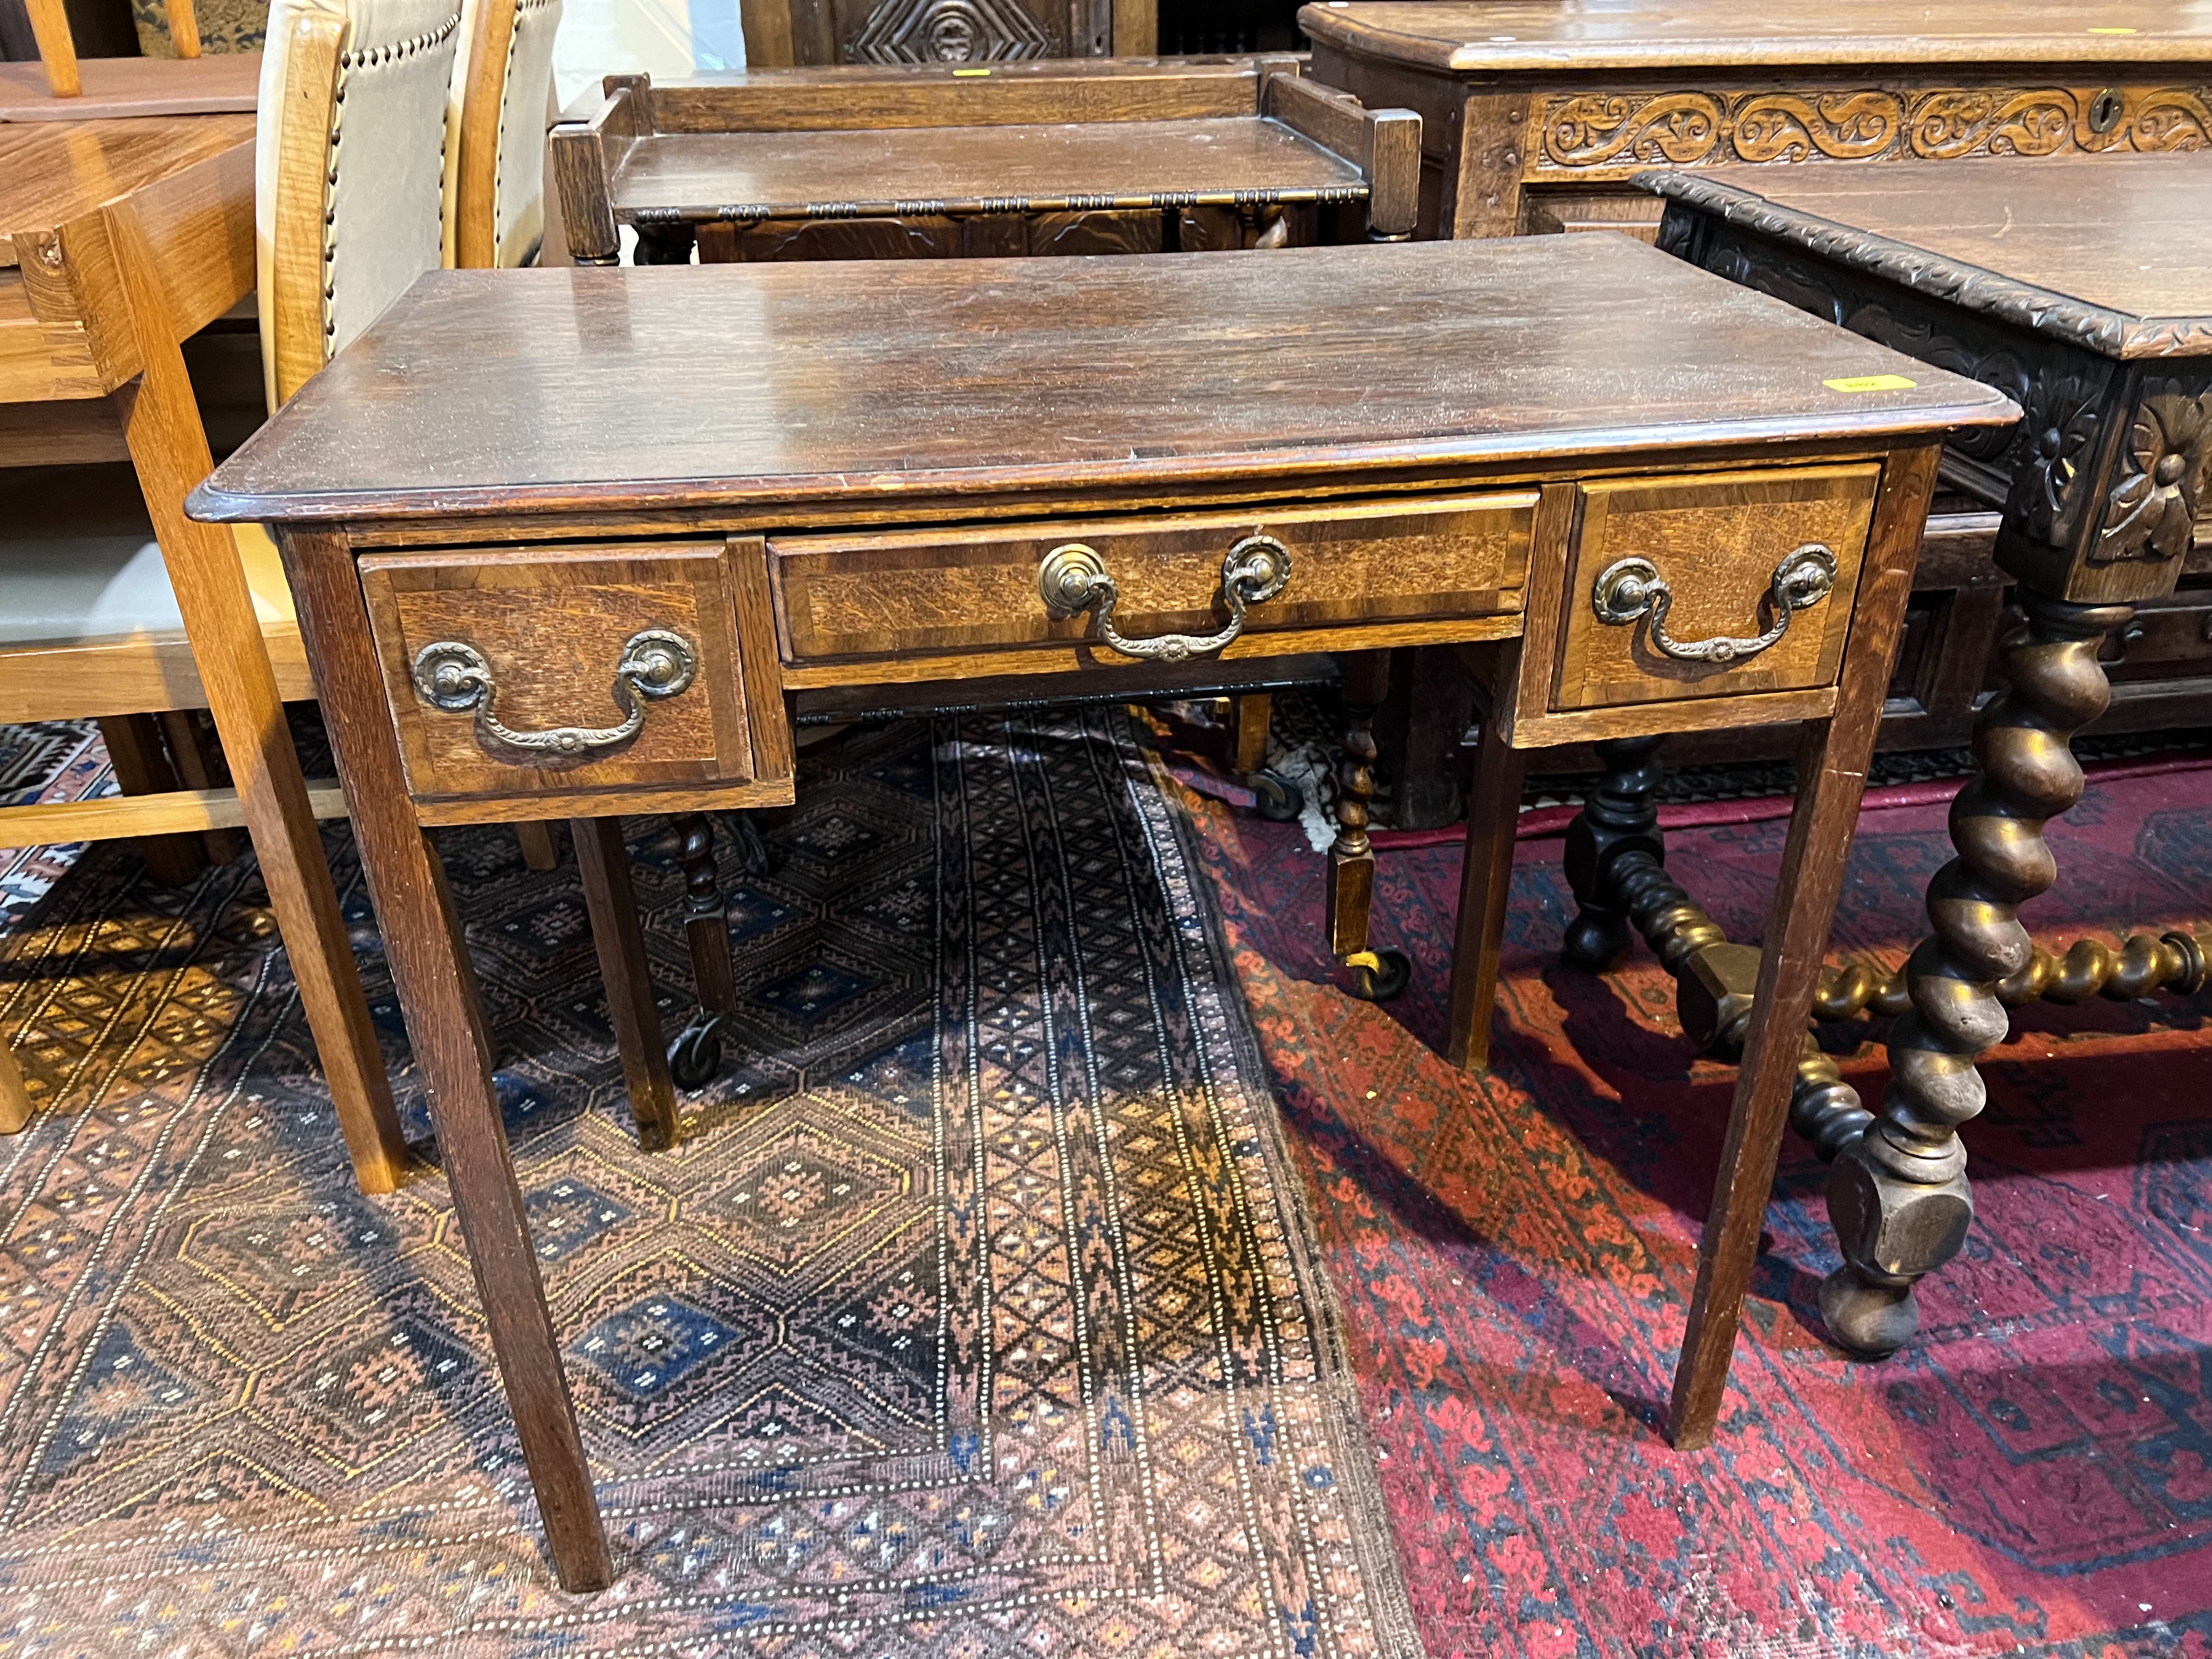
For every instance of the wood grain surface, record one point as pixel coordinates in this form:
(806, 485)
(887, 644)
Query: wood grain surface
(552, 625)
(115, 87)
(1498, 36)
(868, 383)
(902, 592)
(2124, 233)
(1716, 541)
(52, 172)
(791, 175)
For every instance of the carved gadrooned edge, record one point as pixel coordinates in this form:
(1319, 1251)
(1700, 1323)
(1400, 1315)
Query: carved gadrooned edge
(2099, 328)
(749, 213)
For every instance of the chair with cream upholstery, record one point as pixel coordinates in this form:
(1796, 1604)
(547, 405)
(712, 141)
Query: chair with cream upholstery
(349, 184)
(496, 115)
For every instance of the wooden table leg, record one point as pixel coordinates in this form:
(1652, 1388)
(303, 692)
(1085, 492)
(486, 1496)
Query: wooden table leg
(1621, 816)
(1898, 1193)
(1493, 818)
(422, 944)
(695, 1055)
(1377, 975)
(143, 767)
(168, 446)
(1255, 711)
(15, 1104)
(540, 850)
(604, 862)
(1833, 755)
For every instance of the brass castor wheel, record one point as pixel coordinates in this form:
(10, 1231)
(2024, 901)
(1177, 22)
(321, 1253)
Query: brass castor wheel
(697, 1054)
(1278, 799)
(1379, 975)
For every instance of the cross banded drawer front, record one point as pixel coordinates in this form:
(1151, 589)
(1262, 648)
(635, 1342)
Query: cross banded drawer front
(1712, 586)
(566, 668)
(846, 596)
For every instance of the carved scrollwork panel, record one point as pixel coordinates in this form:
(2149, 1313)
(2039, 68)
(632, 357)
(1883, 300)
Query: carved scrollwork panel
(1686, 128)
(948, 32)
(2059, 435)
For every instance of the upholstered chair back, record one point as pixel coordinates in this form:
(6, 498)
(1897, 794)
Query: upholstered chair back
(495, 121)
(351, 169)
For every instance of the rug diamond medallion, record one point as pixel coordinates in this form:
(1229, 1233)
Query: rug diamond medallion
(975, 1313)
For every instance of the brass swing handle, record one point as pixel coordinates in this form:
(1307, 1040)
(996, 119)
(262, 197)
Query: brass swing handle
(654, 663)
(1073, 579)
(1629, 588)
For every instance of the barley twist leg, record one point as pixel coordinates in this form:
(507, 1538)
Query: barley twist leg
(1898, 1193)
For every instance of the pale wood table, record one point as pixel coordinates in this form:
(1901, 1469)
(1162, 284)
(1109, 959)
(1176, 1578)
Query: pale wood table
(118, 240)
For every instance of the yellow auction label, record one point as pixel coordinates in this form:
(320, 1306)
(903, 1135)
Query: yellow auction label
(2111, 31)
(958, 72)
(1871, 383)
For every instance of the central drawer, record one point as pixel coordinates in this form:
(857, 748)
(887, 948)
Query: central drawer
(922, 590)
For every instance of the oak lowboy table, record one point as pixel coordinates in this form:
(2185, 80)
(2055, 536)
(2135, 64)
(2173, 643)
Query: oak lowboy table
(1643, 497)
(2084, 291)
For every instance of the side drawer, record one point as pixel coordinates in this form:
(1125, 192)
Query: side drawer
(567, 668)
(846, 596)
(1716, 541)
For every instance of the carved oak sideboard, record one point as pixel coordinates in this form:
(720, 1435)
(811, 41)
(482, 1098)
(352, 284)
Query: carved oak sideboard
(2084, 292)
(1537, 114)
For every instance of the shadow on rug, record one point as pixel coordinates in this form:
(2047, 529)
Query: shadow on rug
(2033, 1475)
(977, 1314)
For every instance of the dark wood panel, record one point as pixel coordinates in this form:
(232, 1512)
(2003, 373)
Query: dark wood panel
(875, 381)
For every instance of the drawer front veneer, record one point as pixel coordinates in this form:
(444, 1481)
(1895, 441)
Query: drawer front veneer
(858, 596)
(1716, 541)
(574, 669)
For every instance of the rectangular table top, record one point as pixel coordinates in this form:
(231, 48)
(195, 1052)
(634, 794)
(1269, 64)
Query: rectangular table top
(1572, 35)
(797, 175)
(51, 172)
(217, 83)
(2111, 252)
(739, 385)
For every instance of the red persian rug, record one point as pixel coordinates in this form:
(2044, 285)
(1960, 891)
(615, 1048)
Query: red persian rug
(2033, 1475)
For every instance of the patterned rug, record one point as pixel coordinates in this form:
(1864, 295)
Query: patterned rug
(2033, 1475)
(978, 1314)
(48, 761)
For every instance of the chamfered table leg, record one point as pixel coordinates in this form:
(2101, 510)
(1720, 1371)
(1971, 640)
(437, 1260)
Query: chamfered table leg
(1493, 815)
(1833, 755)
(436, 996)
(604, 862)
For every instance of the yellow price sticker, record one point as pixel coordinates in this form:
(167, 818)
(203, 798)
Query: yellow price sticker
(1871, 383)
(2111, 31)
(961, 72)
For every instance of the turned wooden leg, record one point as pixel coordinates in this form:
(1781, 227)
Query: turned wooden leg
(1255, 710)
(1620, 817)
(429, 970)
(1376, 974)
(695, 1055)
(604, 862)
(1493, 815)
(1897, 1194)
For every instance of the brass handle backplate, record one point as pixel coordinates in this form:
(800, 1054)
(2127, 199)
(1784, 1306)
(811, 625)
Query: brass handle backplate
(1073, 579)
(655, 664)
(1629, 588)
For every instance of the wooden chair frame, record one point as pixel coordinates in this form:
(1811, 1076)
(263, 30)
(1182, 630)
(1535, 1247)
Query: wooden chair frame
(58, 48)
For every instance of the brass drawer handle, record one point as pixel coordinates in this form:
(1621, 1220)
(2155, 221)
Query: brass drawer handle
(1629, 588)
(1073, 579)
(654, 663)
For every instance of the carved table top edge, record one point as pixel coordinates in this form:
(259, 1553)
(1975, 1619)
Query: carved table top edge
(1492, 39)
(2099, 328)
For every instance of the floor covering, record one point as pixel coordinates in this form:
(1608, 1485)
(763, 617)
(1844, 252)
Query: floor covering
(977, 1314)
(2034, 1475)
